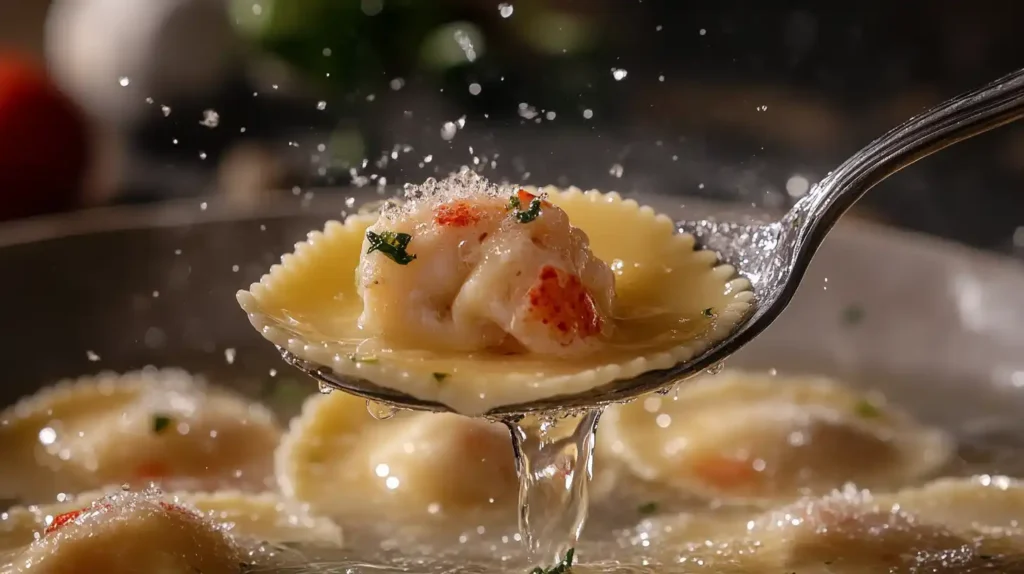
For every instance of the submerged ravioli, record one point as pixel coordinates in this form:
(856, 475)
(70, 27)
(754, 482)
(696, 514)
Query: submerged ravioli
(462, 299)
(740, 436)
(163, 426)
(848, 531)
(128, 535)
(344, 463)
(993, 504)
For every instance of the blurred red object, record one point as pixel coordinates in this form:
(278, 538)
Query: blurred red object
(44, 143)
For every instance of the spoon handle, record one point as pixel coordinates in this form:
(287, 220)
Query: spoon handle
(965, 116)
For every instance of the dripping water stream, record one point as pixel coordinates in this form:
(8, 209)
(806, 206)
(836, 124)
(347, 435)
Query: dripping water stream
(554, 470)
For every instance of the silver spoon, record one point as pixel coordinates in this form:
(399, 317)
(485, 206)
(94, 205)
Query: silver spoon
(773, 256)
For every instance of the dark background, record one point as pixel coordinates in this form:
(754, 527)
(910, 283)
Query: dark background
(722, 99)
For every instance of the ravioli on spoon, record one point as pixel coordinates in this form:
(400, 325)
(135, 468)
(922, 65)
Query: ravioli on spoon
(477, 296)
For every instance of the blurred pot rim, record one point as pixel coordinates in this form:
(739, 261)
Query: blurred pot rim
(330, 203)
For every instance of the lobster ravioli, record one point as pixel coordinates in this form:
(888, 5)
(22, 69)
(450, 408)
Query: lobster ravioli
(479, 296)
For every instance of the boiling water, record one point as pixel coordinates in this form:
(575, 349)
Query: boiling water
(556, 464)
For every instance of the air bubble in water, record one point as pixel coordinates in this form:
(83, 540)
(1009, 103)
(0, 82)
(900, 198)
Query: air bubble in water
(474, 89)
(619, 74)
(588, 113)
(380, 411)
(321, 105)
(505, 10)
(124, 81)
(229, 356)
(166, 110)
(616, 170)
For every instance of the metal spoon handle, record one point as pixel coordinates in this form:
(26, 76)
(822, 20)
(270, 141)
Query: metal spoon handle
(975, 112)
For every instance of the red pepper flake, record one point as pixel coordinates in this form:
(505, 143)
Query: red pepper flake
(559, 299)
(61, 520)
(525, 197)
(458, 214)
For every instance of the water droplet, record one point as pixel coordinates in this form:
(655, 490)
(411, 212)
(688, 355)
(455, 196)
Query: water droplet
(505, 10)
(703, 31)
(124, 81)
(619, 74)
(588, 113)
(211, 119)
(166, 110)
(380, 411)
(325, 389)
(448, 131)
(616, 170)
(465, 43)
(321, 105)
(326, 52)
(202, 155)
(397, 84)
(474, 89)
(229, 356)
(716, 368)
(92, 356)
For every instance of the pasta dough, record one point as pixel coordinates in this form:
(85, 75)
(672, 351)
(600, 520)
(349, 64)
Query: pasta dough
(345, 464)
(246, 518)
(144, 426)
(492, 310)
(742, 436)
(130, 534)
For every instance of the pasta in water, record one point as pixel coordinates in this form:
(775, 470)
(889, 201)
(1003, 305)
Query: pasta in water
(132, 534)
(994, 504)
(343, 463)
(748, 437)
(135, 428)
(848, 531)
(245, 519)
(479, 296)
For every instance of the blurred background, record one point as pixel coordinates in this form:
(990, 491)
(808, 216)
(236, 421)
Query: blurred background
(128, 101)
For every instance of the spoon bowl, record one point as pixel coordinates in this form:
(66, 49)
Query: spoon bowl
(773, 256)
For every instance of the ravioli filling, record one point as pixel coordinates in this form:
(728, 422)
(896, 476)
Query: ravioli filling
(481, 271)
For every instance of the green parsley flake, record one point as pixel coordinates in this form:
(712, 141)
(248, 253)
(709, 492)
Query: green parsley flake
(439, 377)
(561, 568)
(369, 359)
(531, 213)
(392, 245)
(161, 423)
(647, 508)
(866, 409)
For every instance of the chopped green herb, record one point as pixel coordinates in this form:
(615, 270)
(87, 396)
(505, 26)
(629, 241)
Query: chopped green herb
(392, 245)
(647, 508)
(531, 213)
(161, 423)
(867, 409)
(369, 359)
(709, 312)
(441, 376)
(561, 568)
(853, 314)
